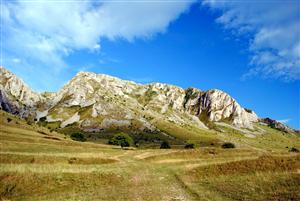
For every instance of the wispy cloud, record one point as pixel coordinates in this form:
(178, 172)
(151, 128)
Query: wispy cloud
(284, 121)
(16, 60)
(105, 60)
(273, 29)
(43, 33)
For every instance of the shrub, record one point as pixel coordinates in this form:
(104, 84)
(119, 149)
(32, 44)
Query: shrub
(72, 160)
(43, 119)
(293, 149)
(165, 145)
(228, 145)
(30, 120)
(121, 139)
(78, 137)
(189, 146)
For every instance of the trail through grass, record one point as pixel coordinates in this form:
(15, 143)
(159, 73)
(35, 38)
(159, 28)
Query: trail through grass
(33, 167)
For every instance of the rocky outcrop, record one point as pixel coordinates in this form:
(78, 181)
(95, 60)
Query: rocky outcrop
(15, 96)
(8, 105)
(98, 101)
(277, 125)
(215, 105)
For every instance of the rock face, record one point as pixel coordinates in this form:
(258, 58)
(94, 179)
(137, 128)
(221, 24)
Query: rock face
(278, 125)
(99, 102)
(215, 105)
(15, 96)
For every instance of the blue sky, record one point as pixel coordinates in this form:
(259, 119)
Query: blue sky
(248, 49)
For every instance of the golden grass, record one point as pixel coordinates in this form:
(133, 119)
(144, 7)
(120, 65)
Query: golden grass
(33, 167)
(264, 178)
(43, 186)
(261, 164)
(12, 158)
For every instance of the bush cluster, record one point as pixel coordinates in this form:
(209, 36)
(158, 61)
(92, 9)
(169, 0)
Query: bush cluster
(121, 139)
(78, 137)
(228, 145)
(189, 146)
(165, 145)
(293, 149)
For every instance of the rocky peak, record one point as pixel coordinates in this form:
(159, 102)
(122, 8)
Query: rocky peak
(164, 96)
(15, 96)
(86, 88)
(16, 88)
(117, 99)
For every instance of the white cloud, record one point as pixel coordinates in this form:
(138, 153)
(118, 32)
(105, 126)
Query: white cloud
(284, 121)
(43, 33)
(16, 60)
(274, 31)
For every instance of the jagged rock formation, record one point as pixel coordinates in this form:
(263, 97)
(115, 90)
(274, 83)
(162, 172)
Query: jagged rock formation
(98, 102)
(15, 96)
(215, 105)
(278, 125)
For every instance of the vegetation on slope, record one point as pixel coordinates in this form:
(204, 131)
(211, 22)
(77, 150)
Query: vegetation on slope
(37, 164)
(121, 139)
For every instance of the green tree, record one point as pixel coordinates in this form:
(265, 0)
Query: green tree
(78, 137)
(121, 139)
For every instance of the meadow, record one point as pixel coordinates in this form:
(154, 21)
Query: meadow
(36, 164)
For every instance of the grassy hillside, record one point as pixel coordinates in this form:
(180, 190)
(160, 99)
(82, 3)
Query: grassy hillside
(37, 164)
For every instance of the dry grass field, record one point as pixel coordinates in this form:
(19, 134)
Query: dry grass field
(36, 164)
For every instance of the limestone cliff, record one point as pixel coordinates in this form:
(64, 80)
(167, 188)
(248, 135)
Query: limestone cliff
(97, 102)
